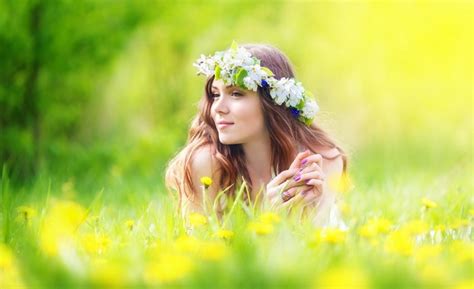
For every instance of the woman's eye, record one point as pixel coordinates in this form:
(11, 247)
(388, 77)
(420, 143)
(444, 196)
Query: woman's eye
(235, 93)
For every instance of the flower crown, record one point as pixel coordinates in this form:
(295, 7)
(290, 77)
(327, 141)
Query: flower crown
(237, 66)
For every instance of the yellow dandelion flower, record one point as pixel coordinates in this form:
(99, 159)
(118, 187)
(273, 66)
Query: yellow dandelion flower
(67, 214)
(168, 268)
(261, 228)
(333, 235)
(383, 225)
(6, 258)
(399, 242)
(342, 183)
(415, 227)
(108, 273)
(95, 244)
(343, 278)
(187, 244)
(471, 212)
(374, 227)
(212, 251)
(224, 234)
(426, 252)
(269, 217)
(10, 276)
(197, 219)
(59, 225)
(428, 204)
(206, 181)
(26, 213)
(367, 231)
(129, 224)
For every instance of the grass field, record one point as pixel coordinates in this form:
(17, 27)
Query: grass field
(410, 226)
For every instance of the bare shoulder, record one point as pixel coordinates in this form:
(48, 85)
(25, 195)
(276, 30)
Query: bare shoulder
(203, 161)
(204, 164)
(329, 153)
(333, 163)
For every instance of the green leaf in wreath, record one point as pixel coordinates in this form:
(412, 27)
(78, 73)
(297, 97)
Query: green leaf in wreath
(217, 72)
(239, 77)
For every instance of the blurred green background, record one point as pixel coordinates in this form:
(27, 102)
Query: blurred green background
(100, 91)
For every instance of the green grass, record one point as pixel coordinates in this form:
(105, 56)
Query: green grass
(105, 251)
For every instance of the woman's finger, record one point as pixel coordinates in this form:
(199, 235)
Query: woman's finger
(292, 184)
(298, 159)
(282, 177)
(316, 186)
(311, 167)
(298, 178)
(314, 182)
(288, 195)
(312, 176)
(278, 197)
(312, 196)
(305, 174)
(296, 199)
(314, 158)
(273, 191)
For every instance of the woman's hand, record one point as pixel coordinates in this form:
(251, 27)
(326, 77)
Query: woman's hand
(301, 184)
(313, 176)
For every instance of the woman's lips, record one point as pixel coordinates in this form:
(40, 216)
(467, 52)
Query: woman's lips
(224, 125)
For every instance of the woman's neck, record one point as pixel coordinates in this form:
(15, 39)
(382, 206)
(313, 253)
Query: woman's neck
(258, 158)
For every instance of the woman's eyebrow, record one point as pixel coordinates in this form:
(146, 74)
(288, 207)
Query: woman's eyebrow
(227, 87)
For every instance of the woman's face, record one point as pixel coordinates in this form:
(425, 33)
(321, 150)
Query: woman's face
(237, 114)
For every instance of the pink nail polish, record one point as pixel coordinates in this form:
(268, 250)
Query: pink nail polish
(297, 178)
(304, 161)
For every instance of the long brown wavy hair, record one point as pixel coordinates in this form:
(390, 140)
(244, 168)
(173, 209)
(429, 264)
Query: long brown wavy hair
(286, 134)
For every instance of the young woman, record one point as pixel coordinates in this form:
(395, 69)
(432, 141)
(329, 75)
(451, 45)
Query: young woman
(255, 125)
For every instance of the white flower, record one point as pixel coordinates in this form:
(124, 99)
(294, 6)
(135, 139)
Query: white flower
(310, 109)
(205, 65)
(278, 95)
(226, 75)
(243, 57)
(295, 94)
(288, 91)
(250, 84)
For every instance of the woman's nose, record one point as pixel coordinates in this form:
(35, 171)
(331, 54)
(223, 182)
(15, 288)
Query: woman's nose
(220, 105)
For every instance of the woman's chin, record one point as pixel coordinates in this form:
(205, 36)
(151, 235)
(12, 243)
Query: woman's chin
(227, 141)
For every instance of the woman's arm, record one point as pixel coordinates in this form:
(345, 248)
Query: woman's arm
(203, 164)
(326, 211)
(316, 198)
